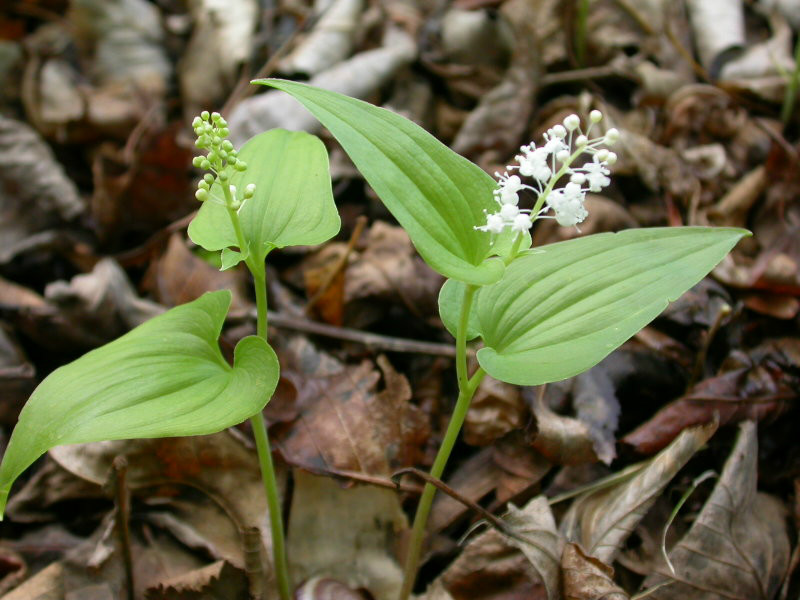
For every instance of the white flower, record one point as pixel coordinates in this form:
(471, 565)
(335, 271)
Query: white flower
(509, 212)
(596, 174)
(494, 224)
(572, 122)
(522, 223)
(595, 116)
(533, 163)
(508, 189)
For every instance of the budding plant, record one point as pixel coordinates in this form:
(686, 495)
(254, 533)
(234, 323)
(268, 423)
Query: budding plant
(168, 377)
(540, 315)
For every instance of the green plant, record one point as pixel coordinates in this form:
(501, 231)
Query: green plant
(167, 377)
(542, 314)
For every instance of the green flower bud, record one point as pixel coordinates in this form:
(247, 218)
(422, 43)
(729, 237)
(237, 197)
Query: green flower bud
(201, 195)
(224, 132)
(200, 142)
(222, 154)
(203, 185)
(208, 178)
(215, 116)
(249, 191)
(212, 156)
(204, 115)
(236, 204)
(205, 165)
(227, 146)
(241, 165)
(197, 161)
(223, 177)
(222, 123)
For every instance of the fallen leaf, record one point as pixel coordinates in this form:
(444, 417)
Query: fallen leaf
(496, 409)
(537, 537)
(219, 580)
(344, 424)
(762, 389)
(326, 588)
(358, 526)
(586, 578)
(35, 192)
(602, 521)
(738, 547)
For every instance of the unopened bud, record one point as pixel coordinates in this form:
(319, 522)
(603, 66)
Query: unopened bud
(205, 164)
(201, 195)
(203, 185)
(197, 161)
(562, 156)
(208, 178)
(581, 141)
(612, 158)
(204, 115)
(241, 165)
(572, 122)
(602, 155)
(612, 135)
(249, 190)
(215, 116)
(559, 131)
(595, 116)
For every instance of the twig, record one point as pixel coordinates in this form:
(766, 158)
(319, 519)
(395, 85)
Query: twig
(361, 222)
(375, 480)
(123, 510)
(494, 521)
(699, 364)
(371, 340)
(582, 74)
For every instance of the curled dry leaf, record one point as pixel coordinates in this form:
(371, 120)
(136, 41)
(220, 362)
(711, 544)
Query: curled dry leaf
(738, 547)
(602, 521)
(35, 192)
(718, 27)
(492, 131)
(359, 77)
(587, 578)
(763, 389)
(330, 41)
(102, 303)
(326, 588)
(535, 534)
(222, 39)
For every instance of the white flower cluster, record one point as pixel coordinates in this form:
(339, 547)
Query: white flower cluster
(545, 166)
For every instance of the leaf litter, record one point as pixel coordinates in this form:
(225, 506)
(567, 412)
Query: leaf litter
(94, 194)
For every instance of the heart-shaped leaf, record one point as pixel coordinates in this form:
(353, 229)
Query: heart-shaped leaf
(293, 202)
(436, 195)
(561, 309)
(165, 378)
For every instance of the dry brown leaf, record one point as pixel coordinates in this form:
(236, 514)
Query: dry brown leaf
(347, 534)
(764, 388)
(586, 578)
(496, 409)
(537, 537)
(326, 588)
(219, 580)
(738, 547)
(561, 440)
(602, 521)
(179, 276)
(17, 376)
(344, 424)
(35, 192)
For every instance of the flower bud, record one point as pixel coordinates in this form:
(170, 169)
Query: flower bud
(612, 135)
(562, 156)
(222, 123)
(241, 165)
(602, 155)
(203, 185)
(223, 176)
(201, 195)
(578, 178)
(249, 190)
(581, 141)
(205, 164)
(595, 116)
(197, 122)
(559, 131)
(204, 115)
(612, 158)
(197, 161)
(208, 178)
(227, 146)
(572, 122)
(224, 132)
(215, 116)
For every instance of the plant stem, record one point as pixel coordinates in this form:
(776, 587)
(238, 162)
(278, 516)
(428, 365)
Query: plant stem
(466, 390)
(280, 564)
(790, 96)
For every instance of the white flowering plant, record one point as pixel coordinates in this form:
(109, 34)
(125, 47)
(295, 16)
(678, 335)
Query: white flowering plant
(539, 315)
(168, 377)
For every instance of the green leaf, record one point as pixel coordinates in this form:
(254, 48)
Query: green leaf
(165, 378)
(560, 310)
(293, 202)
(230, 258)
(436, 195)
(451, 298)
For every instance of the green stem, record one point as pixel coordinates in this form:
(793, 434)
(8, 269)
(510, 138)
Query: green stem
(257, 420)
(790, 96)
(466, 386)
